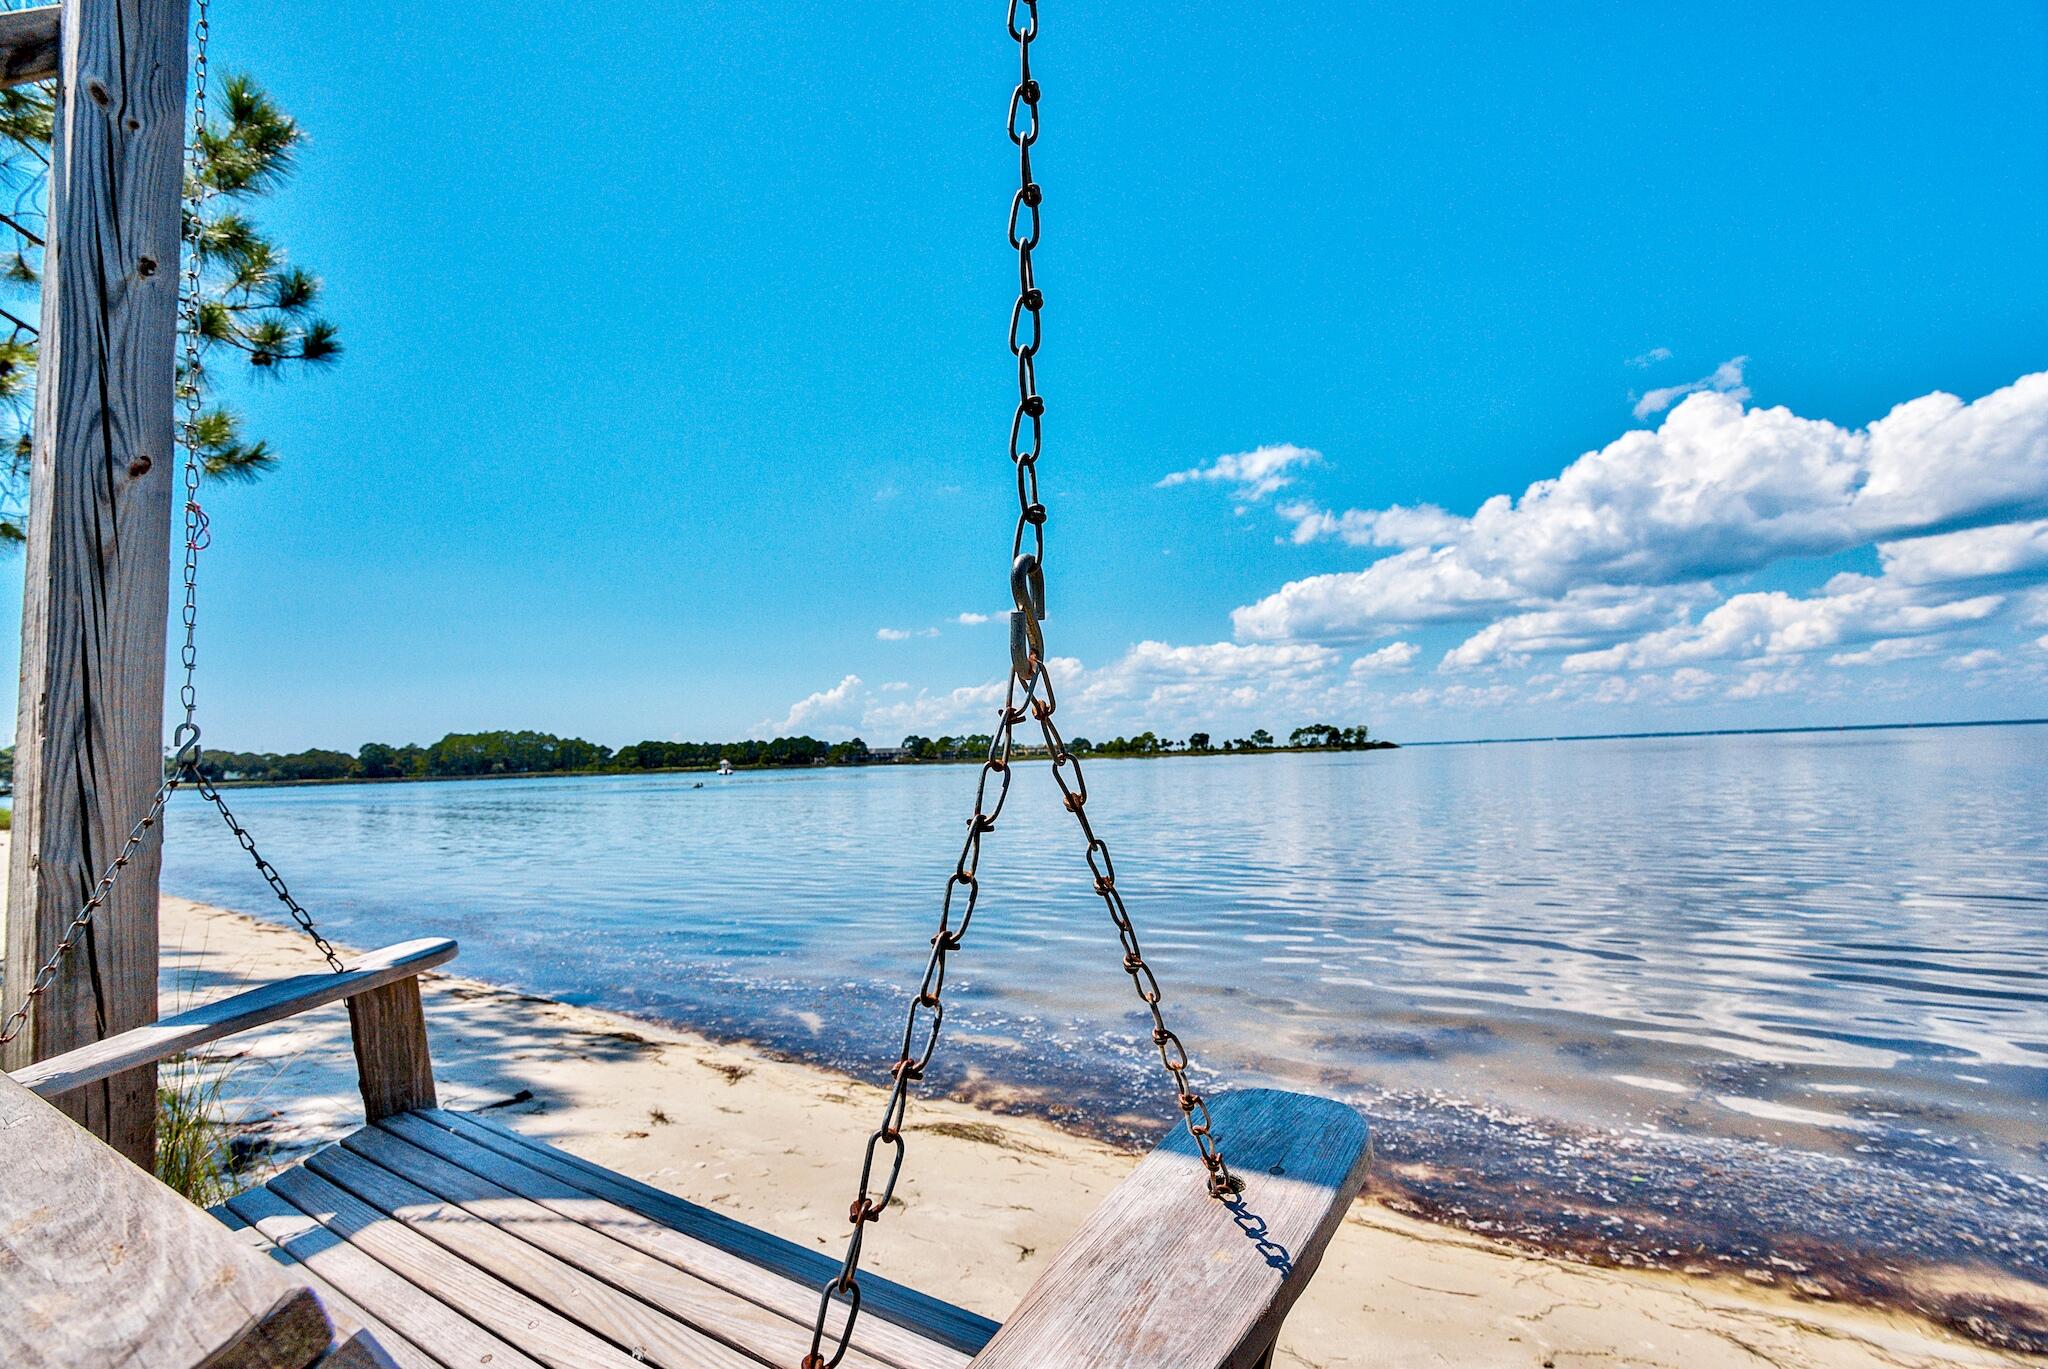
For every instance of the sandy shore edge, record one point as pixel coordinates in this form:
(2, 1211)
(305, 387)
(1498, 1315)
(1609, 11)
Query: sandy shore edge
(987, 1198)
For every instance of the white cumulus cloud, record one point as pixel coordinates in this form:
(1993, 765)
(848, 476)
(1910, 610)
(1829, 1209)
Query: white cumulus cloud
(1726, 380)
(2009, 549)
(1256, 473)
(828, 708)
(1851, 609)
(1717, 489)
(1391, 657)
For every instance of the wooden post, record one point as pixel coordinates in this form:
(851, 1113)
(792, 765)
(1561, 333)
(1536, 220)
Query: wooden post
(392, 1064)
(89, 741)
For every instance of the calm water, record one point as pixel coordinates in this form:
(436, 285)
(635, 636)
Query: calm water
(1730, 997)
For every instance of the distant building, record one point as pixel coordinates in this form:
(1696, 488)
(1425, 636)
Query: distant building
(887, 753)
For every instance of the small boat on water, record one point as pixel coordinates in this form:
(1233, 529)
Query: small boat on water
(725, 767)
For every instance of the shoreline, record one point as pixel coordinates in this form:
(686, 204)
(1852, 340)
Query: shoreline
(1022, 751)
(772, 1141)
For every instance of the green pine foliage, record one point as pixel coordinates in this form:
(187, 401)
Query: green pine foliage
(259, 314)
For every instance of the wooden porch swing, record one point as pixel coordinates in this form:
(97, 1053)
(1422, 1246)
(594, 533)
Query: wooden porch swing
(436, 1239)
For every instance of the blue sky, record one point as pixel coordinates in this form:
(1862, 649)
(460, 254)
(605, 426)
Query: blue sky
(675, 398)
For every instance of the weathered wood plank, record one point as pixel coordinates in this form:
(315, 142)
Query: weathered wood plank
(713, 1310)
(348, 1317)
(89, 734)
(795, 1303)
(1164, 1274)
(930, 1317)
(642, 1330)
(444, 1276)
(392, 1064)
(239, 1013)
(101, 1264)
(28, 45)
(376, 1286)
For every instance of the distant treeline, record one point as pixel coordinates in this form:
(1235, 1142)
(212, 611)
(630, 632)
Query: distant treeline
(461, 755)
(1314, 737)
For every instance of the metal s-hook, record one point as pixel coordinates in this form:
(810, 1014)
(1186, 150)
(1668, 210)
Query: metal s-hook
(186, 740)
(1027, 642)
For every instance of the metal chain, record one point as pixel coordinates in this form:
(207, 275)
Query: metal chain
(197, 536)
(1172, 1054)
(190, 310)
(911, 1059)
(19, 1017)
(265, 868)
(197, 528)
(1023, 699)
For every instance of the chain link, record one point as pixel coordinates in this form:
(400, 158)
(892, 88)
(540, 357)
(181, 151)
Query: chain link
(1030, 695)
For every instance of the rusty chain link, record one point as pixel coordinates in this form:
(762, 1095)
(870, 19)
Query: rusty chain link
(1172, 1054)
(198, 535)
(1029, 695)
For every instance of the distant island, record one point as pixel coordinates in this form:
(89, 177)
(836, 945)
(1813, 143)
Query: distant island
(480, 755)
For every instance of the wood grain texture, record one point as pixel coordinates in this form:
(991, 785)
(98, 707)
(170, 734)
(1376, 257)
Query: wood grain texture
(239, 1013)
(517, 1261)
(392, 1064)
(28, 45)
(89, 733)
(446, 1277)
(881, 1298)
(797, 1303)
(1162, 1274)
(376, 1286)
(710, 1309)
(102, 1265)
(347, 1315)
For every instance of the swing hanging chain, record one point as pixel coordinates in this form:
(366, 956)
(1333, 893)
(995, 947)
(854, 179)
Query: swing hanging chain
(191, 321)
(198, 531)
(185, 763)
(1173, 1055)
(18, 1019)
(911, 1059)
(1029, 695)
(264, 867)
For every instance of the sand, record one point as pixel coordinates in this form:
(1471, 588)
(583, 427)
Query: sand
(988, 1198)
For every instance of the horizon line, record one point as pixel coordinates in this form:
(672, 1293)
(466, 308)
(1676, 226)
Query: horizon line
(1732, 732)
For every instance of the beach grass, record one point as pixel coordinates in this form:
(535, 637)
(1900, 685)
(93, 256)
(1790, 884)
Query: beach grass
(194, 1151)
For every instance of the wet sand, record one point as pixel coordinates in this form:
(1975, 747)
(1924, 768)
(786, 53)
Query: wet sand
(989, 1196)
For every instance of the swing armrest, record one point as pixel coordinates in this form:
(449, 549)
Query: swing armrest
(228, 1016)
(1162, 1273)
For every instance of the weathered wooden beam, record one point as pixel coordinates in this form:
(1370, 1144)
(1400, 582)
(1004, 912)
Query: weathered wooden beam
(28, 44)
(227, 1016)
(392, 1065)
(1162, 1273)
(89, 739)
(101, 1264)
